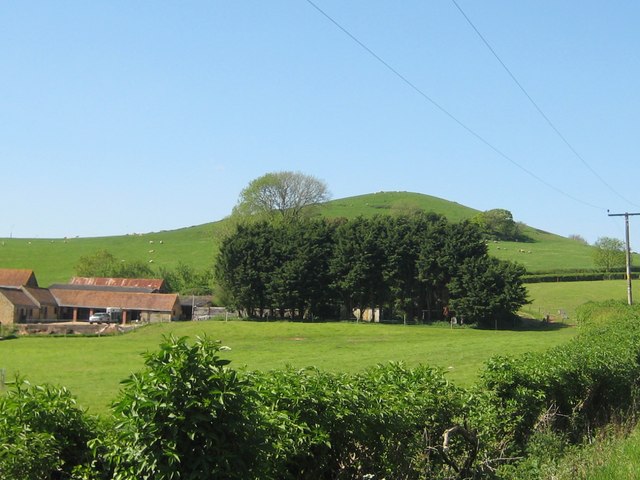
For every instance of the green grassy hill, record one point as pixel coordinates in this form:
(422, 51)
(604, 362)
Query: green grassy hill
(53, 260)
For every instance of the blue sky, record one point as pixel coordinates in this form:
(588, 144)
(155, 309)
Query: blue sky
(119, 117)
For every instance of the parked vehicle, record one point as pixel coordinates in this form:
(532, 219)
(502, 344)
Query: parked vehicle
(101, 317)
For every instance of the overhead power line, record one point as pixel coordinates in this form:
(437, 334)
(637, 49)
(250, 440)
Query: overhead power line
(537, 107)
(446, 112)
(627, 250)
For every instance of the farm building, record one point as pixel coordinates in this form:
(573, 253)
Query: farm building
(26, 304)
(22, 301)
(11, 277)
(77, 304)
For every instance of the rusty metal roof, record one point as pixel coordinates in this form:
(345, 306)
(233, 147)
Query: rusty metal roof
(152, 302)
(13, 277)
(96, 288)
(152, 284)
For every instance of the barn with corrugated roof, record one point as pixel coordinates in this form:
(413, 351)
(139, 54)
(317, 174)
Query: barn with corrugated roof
(149, 285)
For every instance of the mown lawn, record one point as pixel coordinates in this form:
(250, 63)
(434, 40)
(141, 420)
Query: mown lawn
(92, 367)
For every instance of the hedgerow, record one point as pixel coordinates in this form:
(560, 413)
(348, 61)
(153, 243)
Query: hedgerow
(380, 423)
(571, 390)
(188, 415)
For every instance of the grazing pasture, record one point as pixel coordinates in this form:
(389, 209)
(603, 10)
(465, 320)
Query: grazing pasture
(549, 298)
(92, 367)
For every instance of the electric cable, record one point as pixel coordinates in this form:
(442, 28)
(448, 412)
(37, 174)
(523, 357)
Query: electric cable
(447, 113)
(537, 107)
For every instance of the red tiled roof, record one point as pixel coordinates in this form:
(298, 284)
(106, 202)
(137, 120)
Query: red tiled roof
(150, 283)
(153, 302)
(12, 277)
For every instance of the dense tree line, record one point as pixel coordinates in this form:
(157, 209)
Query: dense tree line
(409, 266)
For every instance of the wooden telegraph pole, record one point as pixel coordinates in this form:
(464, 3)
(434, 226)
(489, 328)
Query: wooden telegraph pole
(628, 252)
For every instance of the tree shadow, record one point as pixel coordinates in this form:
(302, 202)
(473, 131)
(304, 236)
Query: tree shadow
(523, 324)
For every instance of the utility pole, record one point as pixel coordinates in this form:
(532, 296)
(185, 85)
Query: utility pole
(628, 252)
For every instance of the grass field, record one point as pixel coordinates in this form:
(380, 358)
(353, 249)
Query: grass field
(92, 367)
(53, 260)
(548, 298)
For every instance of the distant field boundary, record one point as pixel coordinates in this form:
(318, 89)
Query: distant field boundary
(581, 276)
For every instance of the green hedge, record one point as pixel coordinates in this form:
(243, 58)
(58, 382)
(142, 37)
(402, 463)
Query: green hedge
(579, 275)
(575, 277)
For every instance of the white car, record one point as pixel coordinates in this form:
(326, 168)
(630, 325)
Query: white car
(100, 317)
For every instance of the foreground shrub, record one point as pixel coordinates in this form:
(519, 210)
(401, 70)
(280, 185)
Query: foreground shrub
(186, 416)
(43, 433)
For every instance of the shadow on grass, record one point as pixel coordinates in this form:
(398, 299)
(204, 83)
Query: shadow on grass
(522, 324)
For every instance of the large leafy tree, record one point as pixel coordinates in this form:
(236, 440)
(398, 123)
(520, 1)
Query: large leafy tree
(609, 253)
(432, 266)
(403, 243)
(445, 247)
(301, 278)
(285, 194)
(408, 264)
(277, 268)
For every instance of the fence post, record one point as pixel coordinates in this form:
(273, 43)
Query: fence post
(2, 374)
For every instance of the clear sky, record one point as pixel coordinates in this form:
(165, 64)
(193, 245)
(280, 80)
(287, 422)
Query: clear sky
(119, 117)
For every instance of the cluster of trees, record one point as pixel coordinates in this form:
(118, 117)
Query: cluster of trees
(498, 224)
(403, 265)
